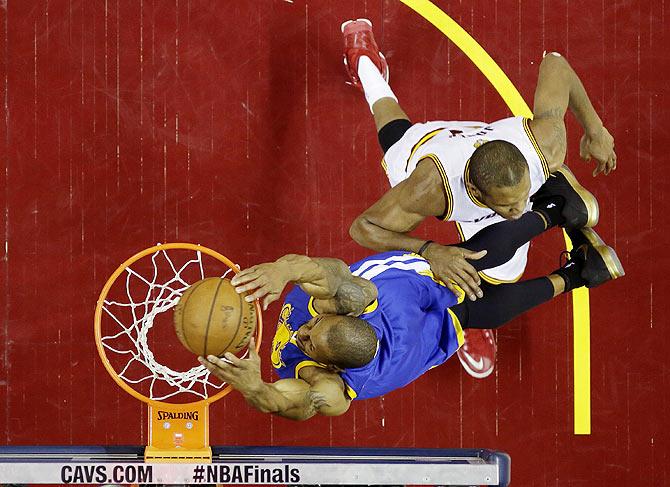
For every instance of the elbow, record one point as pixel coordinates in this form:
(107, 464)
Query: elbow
(551, 54)
(554, 64)
(288, 413)
(368, 233)
(296, 415)
(357, 231)
(303, 417)
(550, 58)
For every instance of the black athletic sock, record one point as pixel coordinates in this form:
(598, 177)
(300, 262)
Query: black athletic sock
(551, 209)
(501, 240)
(571, 273)
(502, 303)
(392, 132)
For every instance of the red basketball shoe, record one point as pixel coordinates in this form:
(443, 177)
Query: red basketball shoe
(359, 41)
(478, 353)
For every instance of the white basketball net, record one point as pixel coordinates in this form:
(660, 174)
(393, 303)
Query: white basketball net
(159, 298)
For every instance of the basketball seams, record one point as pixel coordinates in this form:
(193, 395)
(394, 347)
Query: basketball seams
(239, 321)
(252, 320)
(245, 308)
(218, 320)
(190, 293)
(211, 312)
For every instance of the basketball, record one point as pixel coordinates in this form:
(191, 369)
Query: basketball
(211, 318)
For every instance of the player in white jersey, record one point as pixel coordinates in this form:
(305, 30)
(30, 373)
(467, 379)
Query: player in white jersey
(475, 174)
(450, 145)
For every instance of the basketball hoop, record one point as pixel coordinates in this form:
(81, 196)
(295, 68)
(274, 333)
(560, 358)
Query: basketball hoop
(131, 315)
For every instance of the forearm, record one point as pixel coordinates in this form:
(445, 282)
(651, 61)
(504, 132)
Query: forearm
(323, 276)
(580, 105)
(294, 404)
(386, 224)
(556, 67)
(366, 233)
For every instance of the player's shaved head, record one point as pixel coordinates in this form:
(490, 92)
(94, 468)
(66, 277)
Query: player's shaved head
(497, 164)
(352, 343)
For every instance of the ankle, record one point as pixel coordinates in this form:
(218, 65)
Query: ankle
(551, 210)
(558, 283)
(570, 273)
(374, 85)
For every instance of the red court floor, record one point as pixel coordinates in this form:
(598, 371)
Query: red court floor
(131, 122)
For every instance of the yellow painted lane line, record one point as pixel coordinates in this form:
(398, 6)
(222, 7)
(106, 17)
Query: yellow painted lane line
(515, 102)
(475, 52)
(581, 361)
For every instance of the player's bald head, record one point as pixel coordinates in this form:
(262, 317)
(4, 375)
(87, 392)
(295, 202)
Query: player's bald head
(352, 342)
(497, 164)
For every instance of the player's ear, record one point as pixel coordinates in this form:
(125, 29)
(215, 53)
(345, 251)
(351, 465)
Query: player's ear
(474, 190)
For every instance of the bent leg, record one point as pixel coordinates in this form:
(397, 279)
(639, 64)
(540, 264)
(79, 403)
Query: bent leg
(392, 132)
(387, 110)
(504, 241)
(391, 121)
(501, 240)
(504, 302)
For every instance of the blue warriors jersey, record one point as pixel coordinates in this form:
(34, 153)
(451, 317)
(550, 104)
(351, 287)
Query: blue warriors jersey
(411, 318)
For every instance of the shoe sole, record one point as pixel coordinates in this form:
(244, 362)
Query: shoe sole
(470, 371)
(347, 22)
(387, 74)
(589, 200)
(477, 375)
(607, 253)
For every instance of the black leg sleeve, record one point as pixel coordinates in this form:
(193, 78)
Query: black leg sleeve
(501, 240)
(503, 302)
(392, 132)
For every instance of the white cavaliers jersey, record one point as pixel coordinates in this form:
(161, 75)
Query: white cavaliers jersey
(449, 145)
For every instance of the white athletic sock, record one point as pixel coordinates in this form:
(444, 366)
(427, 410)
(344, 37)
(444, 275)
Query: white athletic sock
(375, 86)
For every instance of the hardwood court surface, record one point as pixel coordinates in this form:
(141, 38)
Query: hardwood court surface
(228, 124)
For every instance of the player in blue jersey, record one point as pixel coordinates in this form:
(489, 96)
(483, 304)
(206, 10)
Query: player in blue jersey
(358, 332)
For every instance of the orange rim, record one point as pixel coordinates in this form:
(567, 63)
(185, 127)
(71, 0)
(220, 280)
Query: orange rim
(107, 287)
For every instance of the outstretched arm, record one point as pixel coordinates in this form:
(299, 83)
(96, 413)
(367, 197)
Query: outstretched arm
(320, 392)
(336, 290)
(559, 88)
